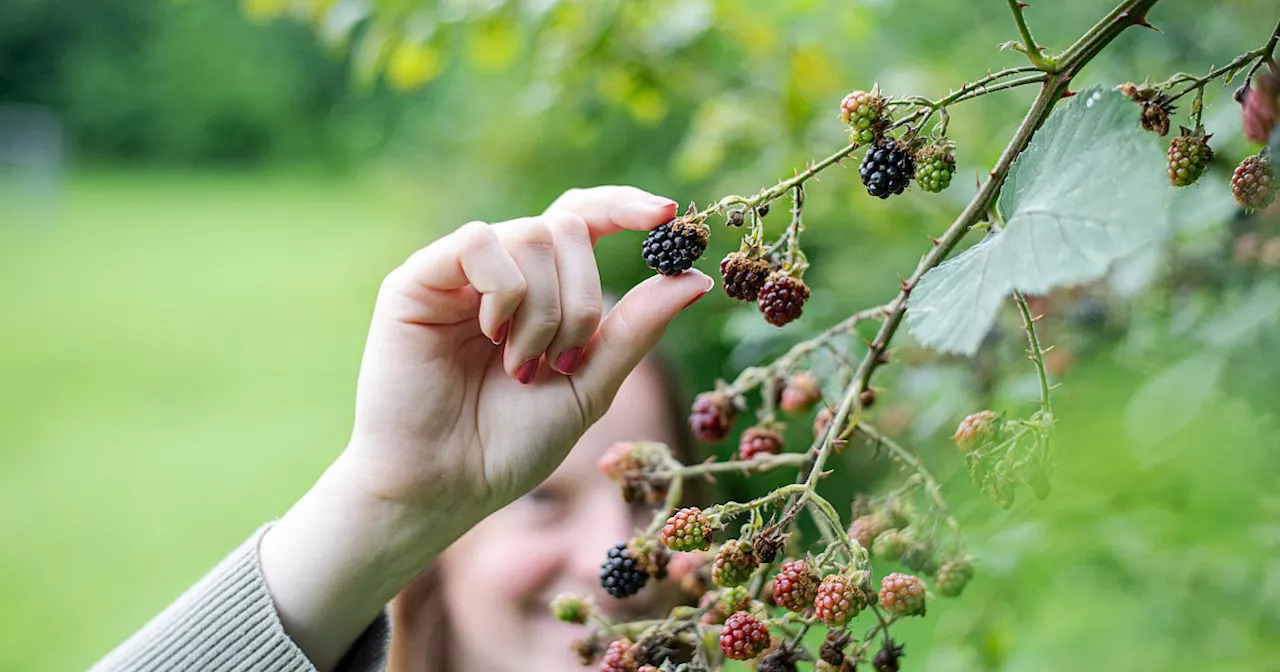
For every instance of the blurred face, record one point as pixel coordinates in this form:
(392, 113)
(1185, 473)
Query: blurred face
(498, 579)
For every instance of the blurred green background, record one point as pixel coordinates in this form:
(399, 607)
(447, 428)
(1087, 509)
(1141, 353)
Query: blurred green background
(198, 200)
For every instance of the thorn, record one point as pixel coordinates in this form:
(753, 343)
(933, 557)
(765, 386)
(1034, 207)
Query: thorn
(1143, 22)
(935, 240)
(1067, 94)
(1023, 5)
(826, 473)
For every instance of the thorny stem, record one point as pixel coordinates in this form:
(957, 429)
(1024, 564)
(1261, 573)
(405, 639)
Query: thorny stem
(756, 464)
(795, 258)
(1029, 46)
(1035, 352)
(909, 459)
(1126, 14)
(1268, 51)
(1198, 83)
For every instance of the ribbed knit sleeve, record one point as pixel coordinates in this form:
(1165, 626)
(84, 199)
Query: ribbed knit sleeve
(227, 621)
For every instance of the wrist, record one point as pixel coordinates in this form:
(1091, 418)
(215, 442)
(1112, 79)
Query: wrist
(343, 551)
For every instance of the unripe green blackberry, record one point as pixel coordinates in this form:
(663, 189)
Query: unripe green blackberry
(890, 546)
(687, 530)
(744, 275)
(935, 166)
(903, 594)
(795, 586)
(759, 441)
(672, 248)
(864, 112)
(1189, 155)
(782, 298)
(734, 563)
(744, 637)
(1252, 183)
(570, 608)
(952, 577)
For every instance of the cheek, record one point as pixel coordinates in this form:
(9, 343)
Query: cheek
(493, 566)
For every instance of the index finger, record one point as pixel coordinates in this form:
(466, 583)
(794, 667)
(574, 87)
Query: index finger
(610, 209)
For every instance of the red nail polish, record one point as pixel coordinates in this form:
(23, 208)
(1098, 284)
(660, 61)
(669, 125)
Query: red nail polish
(695, 299)
(501, 336)
(568, 360)
(525, 373)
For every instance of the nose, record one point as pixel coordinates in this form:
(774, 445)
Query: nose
(601, 523)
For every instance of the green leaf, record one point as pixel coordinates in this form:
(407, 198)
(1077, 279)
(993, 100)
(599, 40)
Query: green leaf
(1089, 189)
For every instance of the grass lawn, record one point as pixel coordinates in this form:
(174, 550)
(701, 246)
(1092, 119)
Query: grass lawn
(177, 365)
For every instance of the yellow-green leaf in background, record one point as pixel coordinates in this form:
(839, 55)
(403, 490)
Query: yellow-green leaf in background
(413, 65)
(493, 45)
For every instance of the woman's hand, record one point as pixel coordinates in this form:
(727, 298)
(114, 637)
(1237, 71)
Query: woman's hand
(487, 359)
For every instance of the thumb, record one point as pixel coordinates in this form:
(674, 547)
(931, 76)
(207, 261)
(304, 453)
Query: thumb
(630, 331)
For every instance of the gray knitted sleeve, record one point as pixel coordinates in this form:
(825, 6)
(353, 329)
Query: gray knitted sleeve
(227, 621)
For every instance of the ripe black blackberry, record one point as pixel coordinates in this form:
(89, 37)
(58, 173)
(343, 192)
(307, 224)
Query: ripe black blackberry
(887, 168)
(672, 248)
(782, 298)
(620, 575)
(1252, 183)
(744, 275)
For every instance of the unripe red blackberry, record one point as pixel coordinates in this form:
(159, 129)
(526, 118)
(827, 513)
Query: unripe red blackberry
(648, 668)
(952, 577)
(719, 605)
(864, 112)
(1189, 155)
(1252, 183)
(712, 416)
(620, 574)
(687, 530)
(840, 598)
(822, 421)
(801, 392)
(935, 166)
(1261, 105)
(865, 529)
(887, 657)
(782, 298)
(570, 608)
(627, 458)
(744, 275)
(795, 586)
(672, 248)
(903, 594)
(974, 429)
(889, 545)
(734, 563)
(759, 441)
(744, 637)
(619, 657)
(887, 168)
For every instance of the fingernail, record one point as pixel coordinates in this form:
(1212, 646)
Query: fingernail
(661, 202)
(525, 373)
(568, 360)
(699, 296)
(501, 336)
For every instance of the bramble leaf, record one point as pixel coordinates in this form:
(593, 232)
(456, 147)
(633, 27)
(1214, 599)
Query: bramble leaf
(1089, 189)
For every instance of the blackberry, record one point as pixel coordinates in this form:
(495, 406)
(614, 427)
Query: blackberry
(865, 529)
(795, 586)
(744, 637)
(782, 298)
(952, 577)
(672, 248)
(570, 608)
(1189, 155)
(744, 275)
(801, 392)
(974, 429)
(864, 113)
(734, 563)
(840, 599)
(759, 441)
(1252, 183)
(889, 545)
(887, 168)
(712, 416)
(620, 574)
(1261, 105)
(903, 594)
(935, 166)
(1156, 106)
(619, 657)
(687, 530)
(887, 657)
(722, 604)
(918, 557)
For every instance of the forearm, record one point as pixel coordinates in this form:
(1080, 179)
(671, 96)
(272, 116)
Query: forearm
(335, 560)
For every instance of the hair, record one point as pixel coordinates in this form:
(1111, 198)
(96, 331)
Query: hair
(421, 604)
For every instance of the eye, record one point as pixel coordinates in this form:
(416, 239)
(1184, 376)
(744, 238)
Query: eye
(545, 504)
